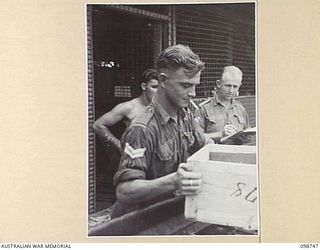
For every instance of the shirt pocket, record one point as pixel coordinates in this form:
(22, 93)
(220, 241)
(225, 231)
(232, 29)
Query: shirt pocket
(167, 159)
(239, 118)
(215, 123)
(239, 121)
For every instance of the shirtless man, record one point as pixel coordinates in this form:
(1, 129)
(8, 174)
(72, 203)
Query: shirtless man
(126, 111)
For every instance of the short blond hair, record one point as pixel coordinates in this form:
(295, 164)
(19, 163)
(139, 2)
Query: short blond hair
(232, 70)
(179, 56)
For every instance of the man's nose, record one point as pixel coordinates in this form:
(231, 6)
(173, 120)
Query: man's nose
(192, 92)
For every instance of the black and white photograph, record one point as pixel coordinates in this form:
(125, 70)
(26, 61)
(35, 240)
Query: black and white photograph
(172, 124)
(130, 124)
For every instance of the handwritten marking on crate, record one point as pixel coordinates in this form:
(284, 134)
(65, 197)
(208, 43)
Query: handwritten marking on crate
(229, 188)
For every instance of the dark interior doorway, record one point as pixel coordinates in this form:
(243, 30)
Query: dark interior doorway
(124, 45)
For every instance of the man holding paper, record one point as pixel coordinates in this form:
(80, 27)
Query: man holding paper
(222, 115)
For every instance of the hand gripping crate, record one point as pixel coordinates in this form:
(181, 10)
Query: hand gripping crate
(229, 194)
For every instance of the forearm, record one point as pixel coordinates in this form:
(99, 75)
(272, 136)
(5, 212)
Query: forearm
(106, 136)
(215, 135)
(140, 191)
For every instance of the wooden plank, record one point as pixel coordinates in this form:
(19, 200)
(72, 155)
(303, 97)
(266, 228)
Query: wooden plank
(231, 157)
(192, 201)
(229, 188)
(202, 154)
(229, 149)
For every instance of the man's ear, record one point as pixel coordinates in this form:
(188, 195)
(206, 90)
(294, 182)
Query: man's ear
(218, 82)
(143, 86)
(162, 79)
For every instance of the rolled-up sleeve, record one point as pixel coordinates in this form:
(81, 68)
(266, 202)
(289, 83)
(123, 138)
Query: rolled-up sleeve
(135, 155)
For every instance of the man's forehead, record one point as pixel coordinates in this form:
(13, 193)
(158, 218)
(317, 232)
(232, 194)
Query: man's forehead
(229, 77)
(182, 73)
(152, 82)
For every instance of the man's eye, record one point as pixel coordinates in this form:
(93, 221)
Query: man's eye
(234, 86)
(186, 85)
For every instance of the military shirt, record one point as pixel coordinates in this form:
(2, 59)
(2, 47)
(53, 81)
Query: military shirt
(155, 144)
(213, 116)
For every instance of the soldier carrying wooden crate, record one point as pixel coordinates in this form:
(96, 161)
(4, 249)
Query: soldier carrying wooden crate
(157, 144)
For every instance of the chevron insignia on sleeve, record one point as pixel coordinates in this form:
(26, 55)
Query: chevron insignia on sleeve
(134, 153)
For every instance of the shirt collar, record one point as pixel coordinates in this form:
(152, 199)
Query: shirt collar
(164, 116)
(216, 101)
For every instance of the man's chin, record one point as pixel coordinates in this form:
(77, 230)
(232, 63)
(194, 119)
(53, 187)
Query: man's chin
(184, 104)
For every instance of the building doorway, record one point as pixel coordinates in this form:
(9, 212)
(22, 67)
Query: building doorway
(124, 45)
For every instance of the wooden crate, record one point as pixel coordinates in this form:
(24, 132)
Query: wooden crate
(229, 194)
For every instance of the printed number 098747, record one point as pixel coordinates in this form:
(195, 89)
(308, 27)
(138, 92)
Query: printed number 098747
(308, 245)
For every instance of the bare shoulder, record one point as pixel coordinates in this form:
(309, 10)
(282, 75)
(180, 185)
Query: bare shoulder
(144, 117)
(133, 101)
(125, 107)
(136, 106)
